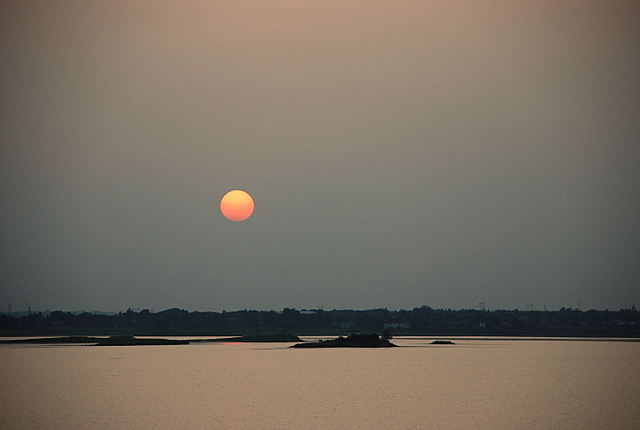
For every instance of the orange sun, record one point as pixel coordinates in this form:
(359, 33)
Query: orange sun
(237, 205)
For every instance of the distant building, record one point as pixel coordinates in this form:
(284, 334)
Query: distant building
(397, 325)
(343, 324)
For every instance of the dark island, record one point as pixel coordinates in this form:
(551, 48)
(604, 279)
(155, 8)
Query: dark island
(55, 340)
(130, 340)
(352, 341)
(256, 338)
(99, 341)
(126, 340)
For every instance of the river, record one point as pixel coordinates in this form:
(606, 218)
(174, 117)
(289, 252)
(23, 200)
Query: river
(474, 384)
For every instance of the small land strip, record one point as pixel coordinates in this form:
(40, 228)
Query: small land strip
(97, 341)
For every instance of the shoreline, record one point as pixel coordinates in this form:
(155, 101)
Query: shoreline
(171, 339)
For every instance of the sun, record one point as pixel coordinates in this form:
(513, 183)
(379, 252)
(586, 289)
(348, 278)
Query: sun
(237, 205)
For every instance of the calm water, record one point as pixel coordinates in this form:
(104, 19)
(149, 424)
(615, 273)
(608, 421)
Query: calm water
(475, 384)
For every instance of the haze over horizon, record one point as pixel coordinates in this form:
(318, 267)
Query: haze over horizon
(399, 154)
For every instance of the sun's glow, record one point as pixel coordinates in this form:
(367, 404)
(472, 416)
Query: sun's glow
(237, 205)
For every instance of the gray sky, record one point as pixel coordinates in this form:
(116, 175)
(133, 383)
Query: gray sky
(400, 153)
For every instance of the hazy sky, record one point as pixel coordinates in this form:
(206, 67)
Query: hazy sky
(400, 154)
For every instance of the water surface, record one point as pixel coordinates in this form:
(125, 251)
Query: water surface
(474, 384)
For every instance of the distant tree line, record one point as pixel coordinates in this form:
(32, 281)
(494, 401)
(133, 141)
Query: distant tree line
(418, 321)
